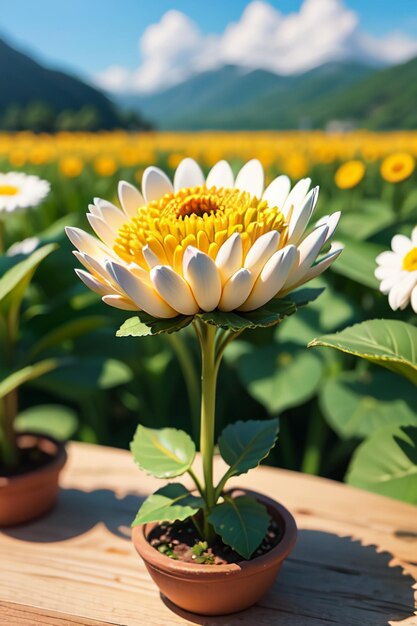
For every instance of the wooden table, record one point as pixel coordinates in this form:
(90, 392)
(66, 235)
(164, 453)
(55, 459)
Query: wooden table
(355, 563)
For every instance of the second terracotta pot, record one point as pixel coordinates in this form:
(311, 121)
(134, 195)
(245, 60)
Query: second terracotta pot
(25, 496)
(218, 589)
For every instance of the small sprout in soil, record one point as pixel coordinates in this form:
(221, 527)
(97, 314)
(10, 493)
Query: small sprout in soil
(200, 554)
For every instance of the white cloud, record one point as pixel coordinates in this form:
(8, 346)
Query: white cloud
(322, 30)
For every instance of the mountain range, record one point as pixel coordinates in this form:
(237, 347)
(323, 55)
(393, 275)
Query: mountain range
(229, 98)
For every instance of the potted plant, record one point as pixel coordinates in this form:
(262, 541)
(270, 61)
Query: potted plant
(221, 255)
(29, 462)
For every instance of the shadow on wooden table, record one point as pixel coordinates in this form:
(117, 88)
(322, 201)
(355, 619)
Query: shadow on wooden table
(328, 580)
(77, 512)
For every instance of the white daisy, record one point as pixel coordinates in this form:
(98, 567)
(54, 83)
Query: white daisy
(20, 191)
(203, 244)
(397, 271)
(26, 246)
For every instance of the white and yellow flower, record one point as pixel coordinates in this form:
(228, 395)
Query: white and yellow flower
(20, 191)
(397, 271)
(203, 244)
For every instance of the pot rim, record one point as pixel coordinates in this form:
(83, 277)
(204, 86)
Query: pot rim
(55, 463)
(177, 569)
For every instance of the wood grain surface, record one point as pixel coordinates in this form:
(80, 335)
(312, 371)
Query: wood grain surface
(355, 563)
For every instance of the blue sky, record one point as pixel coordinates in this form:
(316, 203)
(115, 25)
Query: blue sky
(88, 36)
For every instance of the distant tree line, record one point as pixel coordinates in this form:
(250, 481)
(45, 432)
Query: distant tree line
(39, 117)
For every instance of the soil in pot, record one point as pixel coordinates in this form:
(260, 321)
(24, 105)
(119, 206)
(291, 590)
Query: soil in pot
(31, 489)
(207, 586)
(181, 541)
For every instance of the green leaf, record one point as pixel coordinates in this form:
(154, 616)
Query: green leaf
(30, 372)
(243, 445)
(164, 453)
(143, 325)
(329, 313)
(280, 376)
(358, 262)
(390, 343)
(270, 314)
(273, 312)
(387, 463)
(169, 504)
(304, 296)
(55, 420)
(358, 405)
(15, 281)
(87, 375)
(242, 523)
(68, 330)
(372, 217)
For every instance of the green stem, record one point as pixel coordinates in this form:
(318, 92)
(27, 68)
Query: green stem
(316, 438)
(209, 370)
(9, 408)
(197, 483)
(197, 526)
(222, 345)
(9, 447)
(187, 365)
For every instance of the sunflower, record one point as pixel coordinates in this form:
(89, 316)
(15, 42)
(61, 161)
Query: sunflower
(397, 271)
(20, 191)
(349, 174)
(203, 244)
(71, 166)
(397, 167)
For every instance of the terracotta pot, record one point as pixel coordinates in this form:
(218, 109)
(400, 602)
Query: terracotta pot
(26, 496)
(218, 589)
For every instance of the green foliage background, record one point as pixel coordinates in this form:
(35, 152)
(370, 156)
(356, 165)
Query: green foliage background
(328, 403)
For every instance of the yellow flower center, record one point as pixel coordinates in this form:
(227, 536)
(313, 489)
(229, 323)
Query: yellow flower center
(199, 217)
(8, 190)
(410, 260)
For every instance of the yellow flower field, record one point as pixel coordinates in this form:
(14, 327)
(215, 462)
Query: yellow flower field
(295, 152)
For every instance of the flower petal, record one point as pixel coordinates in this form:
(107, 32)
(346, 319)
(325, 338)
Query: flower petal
(276, 193)
(229, 257)
(301, 216)
(142, 294)
(119, 302)
(308, 250)
(388, 283)
(399, 296)
(92, 283)
(130, 198)
(220, 175)
(202, 275)
(401, 244)
(261, 251)
(173, 289)
(251, 178)
(150, 257)
(296, 195)
(319, 267)
(85, 242)
(155, 184)
(272, 278)
(188, 174)
(382, 272)
(236, 290)
(331, 222)
(101, 229)
(389, 259)
(110, 213)
(414, 298)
